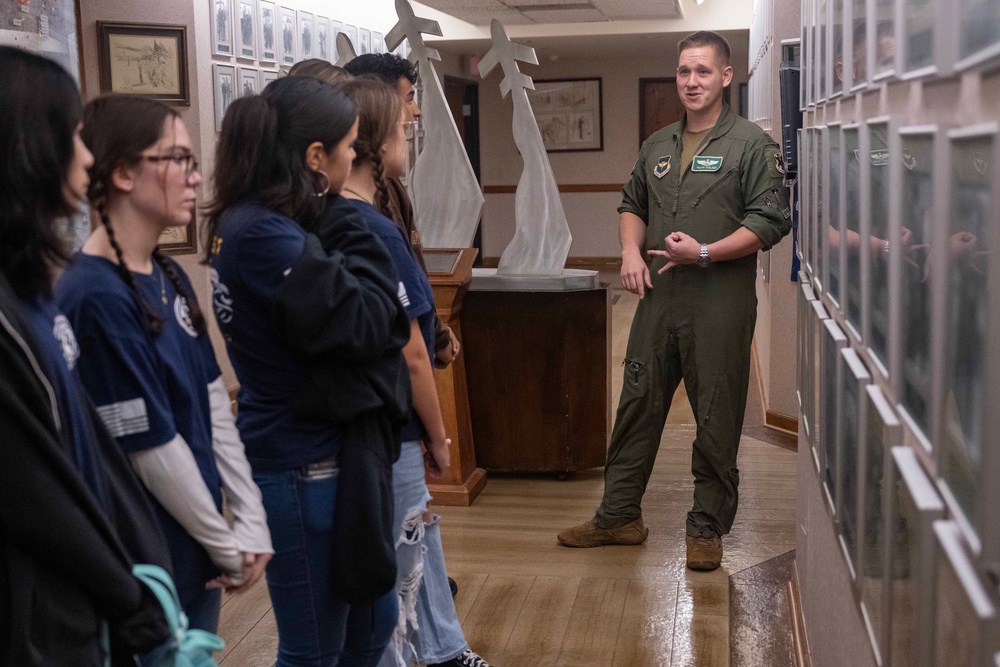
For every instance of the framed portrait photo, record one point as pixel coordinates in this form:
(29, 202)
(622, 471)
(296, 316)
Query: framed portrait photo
(323, 39)
(307, 35)
(226, 90)
(222, 28)
(246, 29)
(144, 59)
(249, 81)
(266, 77)
(378, 42)
(286, 37)
(336, 27)
(364, 44)
(568, 112)
(267, 21)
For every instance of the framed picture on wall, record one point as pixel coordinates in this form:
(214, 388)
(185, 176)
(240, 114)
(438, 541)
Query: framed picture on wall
(323, 50)
(222, 28)
(352, 34)
(287, 37)
(268, 31)
(246, 29)
(336, 27)
(267, 76)
(307, 35)
(225, 83)
(249, 82)
(568, 112)
(144, 59)
(378, 42)
(364, 44)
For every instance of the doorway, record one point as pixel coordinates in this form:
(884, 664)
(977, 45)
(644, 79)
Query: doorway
(659, 105)
(463, 100)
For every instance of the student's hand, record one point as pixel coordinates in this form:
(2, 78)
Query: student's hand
(253, 570)
(437, 458)
(681, 249)
(448, 354)
(635, 274)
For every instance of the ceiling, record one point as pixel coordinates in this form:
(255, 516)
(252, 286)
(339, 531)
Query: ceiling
(590, 46)
(523, 12)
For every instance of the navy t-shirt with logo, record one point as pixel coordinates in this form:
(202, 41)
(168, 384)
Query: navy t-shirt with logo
(255, 250)
(415, 292)
(147, 389)
(59, 355)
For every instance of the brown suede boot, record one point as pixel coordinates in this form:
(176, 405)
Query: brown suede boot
(589, 535)
(704, 553)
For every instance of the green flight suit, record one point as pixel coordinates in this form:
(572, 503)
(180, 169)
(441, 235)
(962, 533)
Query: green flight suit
(697, 323)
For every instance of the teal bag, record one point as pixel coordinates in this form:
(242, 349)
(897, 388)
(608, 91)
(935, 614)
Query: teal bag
(186, 647)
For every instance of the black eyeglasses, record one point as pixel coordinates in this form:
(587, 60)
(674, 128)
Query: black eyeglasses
(185, 160)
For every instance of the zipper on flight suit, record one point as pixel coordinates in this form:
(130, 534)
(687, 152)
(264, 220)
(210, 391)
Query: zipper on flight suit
(704, 193)
(680, 177)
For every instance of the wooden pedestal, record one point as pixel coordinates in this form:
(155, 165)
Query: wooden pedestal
(450, 272)
(539, 378)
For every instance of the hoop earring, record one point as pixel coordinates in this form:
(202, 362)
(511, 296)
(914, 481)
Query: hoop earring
(326, 188)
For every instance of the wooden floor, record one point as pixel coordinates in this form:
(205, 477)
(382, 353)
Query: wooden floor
(525, 601)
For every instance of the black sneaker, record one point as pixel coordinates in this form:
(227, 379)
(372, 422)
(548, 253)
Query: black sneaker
(469, 658)
(453, 585)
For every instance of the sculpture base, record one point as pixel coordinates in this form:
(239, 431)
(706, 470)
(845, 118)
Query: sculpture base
(538, 361)
(458, 495)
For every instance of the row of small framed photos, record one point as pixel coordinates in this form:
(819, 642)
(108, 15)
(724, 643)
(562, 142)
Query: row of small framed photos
(923, 597)
(848, 45)
(265, 32)
(231, 83)
(898, 241)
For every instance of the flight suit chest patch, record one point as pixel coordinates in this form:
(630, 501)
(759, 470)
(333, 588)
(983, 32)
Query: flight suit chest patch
(706, 163)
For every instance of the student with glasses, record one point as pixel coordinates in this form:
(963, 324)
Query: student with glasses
(146, 357)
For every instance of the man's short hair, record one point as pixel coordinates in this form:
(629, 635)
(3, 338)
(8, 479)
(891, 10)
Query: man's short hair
(388, 67)
(708, 38)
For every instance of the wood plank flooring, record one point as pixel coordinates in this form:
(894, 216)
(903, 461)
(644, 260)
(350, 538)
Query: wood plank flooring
(524, 601)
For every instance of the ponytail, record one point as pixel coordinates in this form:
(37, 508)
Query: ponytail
(261, 152)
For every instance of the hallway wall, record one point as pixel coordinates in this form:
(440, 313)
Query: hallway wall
(592, 216)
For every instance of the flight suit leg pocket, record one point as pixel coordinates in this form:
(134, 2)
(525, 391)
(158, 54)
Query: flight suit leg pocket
(635, 374)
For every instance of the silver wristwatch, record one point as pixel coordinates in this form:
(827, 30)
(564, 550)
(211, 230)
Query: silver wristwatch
(703, 259)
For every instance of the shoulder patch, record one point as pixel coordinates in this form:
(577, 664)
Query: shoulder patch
(779, 163)
(662, 167)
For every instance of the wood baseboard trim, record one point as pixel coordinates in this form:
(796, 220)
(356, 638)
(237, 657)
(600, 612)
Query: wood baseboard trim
(781, 423)
(800, 642)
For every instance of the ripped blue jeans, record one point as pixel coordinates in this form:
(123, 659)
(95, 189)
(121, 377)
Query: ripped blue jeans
(428, 630)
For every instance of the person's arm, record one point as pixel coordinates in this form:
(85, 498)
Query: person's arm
(250, 521)
(635, 271)
(425, 398)
(683, 249)
(171, 474)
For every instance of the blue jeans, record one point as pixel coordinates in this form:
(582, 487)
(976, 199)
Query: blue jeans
(315, 629)
(428, 628)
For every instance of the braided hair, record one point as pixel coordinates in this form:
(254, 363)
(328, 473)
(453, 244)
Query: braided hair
(379, 110)
(116, 129)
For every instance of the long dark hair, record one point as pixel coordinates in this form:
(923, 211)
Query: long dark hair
(261, 152)
(117, 129)
(40, 108)
(379, 110)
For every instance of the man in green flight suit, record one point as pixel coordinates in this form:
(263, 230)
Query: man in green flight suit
(705, 195)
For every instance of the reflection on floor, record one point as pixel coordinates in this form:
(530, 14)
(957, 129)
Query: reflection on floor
(523, 600)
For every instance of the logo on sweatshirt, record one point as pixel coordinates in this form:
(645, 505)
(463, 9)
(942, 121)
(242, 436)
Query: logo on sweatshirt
(183, 314)
(63, 332)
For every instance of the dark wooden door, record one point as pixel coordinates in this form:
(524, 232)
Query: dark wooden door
(659, 105)
(463, 100)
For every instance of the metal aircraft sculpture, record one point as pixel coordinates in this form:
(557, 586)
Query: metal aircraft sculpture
(541, 238)
(447, 198)
(345, 49)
